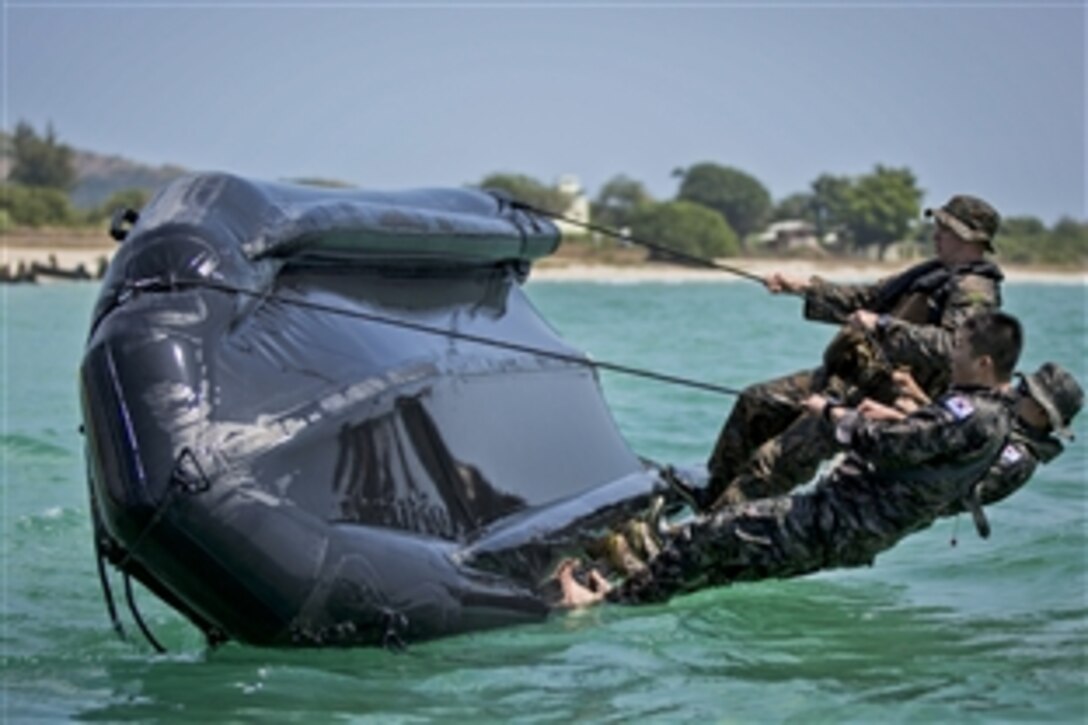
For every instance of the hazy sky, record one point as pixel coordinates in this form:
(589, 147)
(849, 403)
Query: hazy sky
(981, 97)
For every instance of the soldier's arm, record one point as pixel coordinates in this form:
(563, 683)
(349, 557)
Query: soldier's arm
(928, 346)
(1012, 470)
(939, 430)
(830, 302)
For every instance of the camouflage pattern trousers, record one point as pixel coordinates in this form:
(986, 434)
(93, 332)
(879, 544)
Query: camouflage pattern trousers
(769, 444)
(774, 538)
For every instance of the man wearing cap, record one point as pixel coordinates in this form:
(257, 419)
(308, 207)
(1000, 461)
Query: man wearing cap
(1043, 405)
(768, 445)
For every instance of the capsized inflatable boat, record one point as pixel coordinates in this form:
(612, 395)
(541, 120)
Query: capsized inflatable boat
(321, 416)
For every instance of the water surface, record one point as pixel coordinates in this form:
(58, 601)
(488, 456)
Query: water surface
(984, 631)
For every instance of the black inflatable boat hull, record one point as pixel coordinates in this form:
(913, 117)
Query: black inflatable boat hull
(275, 456)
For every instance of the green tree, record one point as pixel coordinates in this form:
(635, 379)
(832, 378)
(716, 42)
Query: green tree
(1026, 240)
(41, 161)
(686, 227)
(619, 201)
(801, 205)
(1068, 243)
(1019, 239)
(739, 197)
(29, 206)
(1022, 226)
(882, 206)
(830, 202)
(528, 190)
(135, 199)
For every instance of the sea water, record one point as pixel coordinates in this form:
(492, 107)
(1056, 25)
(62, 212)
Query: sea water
(983, 631)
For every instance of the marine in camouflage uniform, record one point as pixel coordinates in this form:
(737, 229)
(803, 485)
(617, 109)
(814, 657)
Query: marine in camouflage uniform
(767, 446)
(898, 478)
(1046, 402)
(1042, 408)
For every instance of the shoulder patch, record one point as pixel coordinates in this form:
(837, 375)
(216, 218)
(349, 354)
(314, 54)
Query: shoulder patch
(976, 290)
(959, 406)
(1011, 454)
(976, 283)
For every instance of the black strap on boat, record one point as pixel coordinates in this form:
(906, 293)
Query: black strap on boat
(187, 477)
(181, 480)
(149, 285)
(107, 590)
(100, 557)
(139, 619)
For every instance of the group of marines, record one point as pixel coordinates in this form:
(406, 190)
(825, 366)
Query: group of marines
(915, 399)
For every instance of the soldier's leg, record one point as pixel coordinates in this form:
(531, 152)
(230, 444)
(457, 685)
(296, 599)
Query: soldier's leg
(771, 538)
(782, 463)
(761, 412)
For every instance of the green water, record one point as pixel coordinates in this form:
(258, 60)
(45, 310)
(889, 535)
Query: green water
(981, 632)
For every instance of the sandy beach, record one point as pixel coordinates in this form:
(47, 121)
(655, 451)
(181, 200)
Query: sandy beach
(66, 258)
(836, 270)
(66, 250)
(88, 250)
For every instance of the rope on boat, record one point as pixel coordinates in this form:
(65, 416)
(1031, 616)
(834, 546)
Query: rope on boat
(689, 259)
(433, 330)
(674, 253)
(139, 618)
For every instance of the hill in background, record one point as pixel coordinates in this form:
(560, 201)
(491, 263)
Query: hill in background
(100, 176)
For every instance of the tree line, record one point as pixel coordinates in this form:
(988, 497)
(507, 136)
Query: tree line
(717, 211)
(42, 173)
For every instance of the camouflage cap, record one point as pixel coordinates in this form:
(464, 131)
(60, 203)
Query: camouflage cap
(971, 218)
(1059, 394)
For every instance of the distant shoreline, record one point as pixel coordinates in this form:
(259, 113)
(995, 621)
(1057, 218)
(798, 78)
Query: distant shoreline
(88, 250)
(837, 270)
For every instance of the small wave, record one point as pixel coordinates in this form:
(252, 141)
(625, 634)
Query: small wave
(51, 520)
(24, 445)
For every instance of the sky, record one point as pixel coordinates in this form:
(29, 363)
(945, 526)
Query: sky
(986, 98)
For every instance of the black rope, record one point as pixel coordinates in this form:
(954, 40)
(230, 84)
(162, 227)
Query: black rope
(100, 557)
(139, 619)
(180, 480)
(107, 591)
(479, 339)
(675, 253)
(689, 258)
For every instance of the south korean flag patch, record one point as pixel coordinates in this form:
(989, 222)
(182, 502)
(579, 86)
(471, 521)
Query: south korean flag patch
(1011, 455)
(959, 406)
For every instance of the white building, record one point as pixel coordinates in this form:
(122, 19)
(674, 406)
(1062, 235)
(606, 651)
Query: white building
(791, 235)
(578, 210)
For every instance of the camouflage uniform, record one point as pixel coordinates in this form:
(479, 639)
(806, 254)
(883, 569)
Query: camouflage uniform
(767, 446)
(1062, 398)
(1013, 468)
(897, 478)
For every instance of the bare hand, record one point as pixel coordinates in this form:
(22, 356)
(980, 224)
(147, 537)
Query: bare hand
(574, 594)
(815, 404)
(864, 320)
(778, 283)
(873, 410)
(906, 404)
(908, 387)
